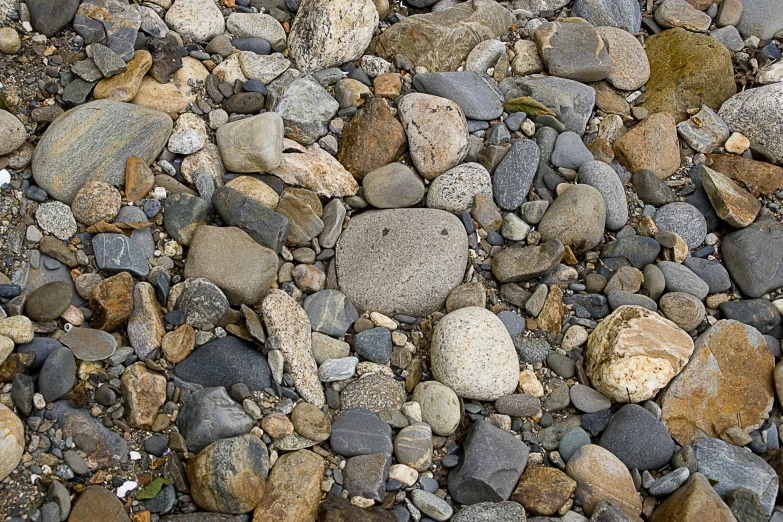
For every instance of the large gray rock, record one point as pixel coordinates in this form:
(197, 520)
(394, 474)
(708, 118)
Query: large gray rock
(576, 218)
(573, 50)
(729, 467)
(306, 109)
(112, 22)
(210, 415)
(225, 362)
(753, 112)
(252, 144)
(752, 257)
(401, 261)
(359, 431)
(613, 13)
(477, 95)
(93, 142)
(638, 439)
(761, 18)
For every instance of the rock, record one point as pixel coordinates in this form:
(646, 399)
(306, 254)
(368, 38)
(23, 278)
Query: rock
(394, 186)
(477, 95)
(178, 343)
(293, 489)
(330, 312)
(268, 228)
(625, 14)
(440, 407)
(124, 86)
(431, 505)
(650, 145)
(48, 19)
(455, 189)
(48, 302)
(373, 138)
(573, 51)
(543, 490)
(638, 439)
(514, 175)
(587, 399)
(264, 68)
(571, 101)
(97, 501)
(436, 130)
(17, 328)
(683, 309)
(527, 60)
(256, 190)
(602, 177)
(576, 218)
(527, 263)
(757, 177)
(314, 169)
(651, 190)
(325, 34)
(630, 68)
(704, 131)
(12, 133)
(740, 352)
(745, 504)
(456, 339)
(694, 500)
(245, 279)
(234, 489)
(758, 20)
(518, 405)
(210, 415)
(285, 319)
(183, 214)
(480, 477)
(747, 113)
(107, 61)
(703, 68)
(145, 325)
(490, 512)
(195, 19)
(143, 391)
(90, 345)
(748, 257)
(711, 272)
(359, 431)
(629, 358)
(365, 476)
(600, 476)
(58, 375)
(733, 204)
(264, 152)
(224, 362)
(375, 392)
(413, 446)
(10, 43)
(382, 281)
(683, 219)
(679, 13)
(733, 467)
(758, 313)
(257, 25)
(96, 201)
(306, 109)
(310, 422)
(57, 219)
(570, 152)
(680, 279)
(423, 38)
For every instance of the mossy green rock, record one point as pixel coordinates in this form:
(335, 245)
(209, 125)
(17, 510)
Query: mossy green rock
(686, 71)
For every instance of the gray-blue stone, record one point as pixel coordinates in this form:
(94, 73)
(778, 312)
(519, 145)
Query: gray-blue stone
(614, 13)
(58, 374)
(711, 272)
(752, 257)
(685, 220)
(618, 298)
(668, 484)
(476, 94)
(209, 415)
(680, 278)
(514, 175)
(265, 226)
(224, 362)
(574, 439)
(603, 178)
(570, 152)
(640, 251)
(117, 253)
(359, 431)
(638, 439)
(330, 312)
(374, 344)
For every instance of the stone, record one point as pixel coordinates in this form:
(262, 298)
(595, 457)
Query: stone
(514, 175)
(424, 38)
(314, 169)
(210, 415)
(365, 476)
(143, 391)
(237, 488)
(440, 407)
(285, 319)
(734, 467)
(268, 228)
(748, 257)
(758, 313)
(12, 133)
(679, 13)
(724, 359)
(602, 177)
(694, 500)
(201, 303)
(88, 344)
(359, 431)
(651, 190)
(394, 186)
(172, 98)
(145, 325)
(680, 279)
(48, 302)
(467, 294)
(437, 132)
(293, 489)
(570, 152)
(252, 144)
(224, 362)
(373, 138)
(600, 476)
(257, 25)
(629, 358)
(183, 214)
(245, 279)
(543, 490)
(456, 339)
(480, 476)
(306, 108)
(177, 344)
(107, 61)
(376, 392)
(327, 34)
(97, 501)
(701, 75)
(683, 219)
(630, 68)
(573, 51)
(526, 60)
(491, 512)
(477, 95)
(711, 272)
(310, 422)
(455, 189)
(58, 375)
(256, 190)
(413, 446)
(745, 504)
(624, 14)
(10, 43)
(732, 203)
(758, 20)
(57, 219)
(747, 113)
(638, 439)
(757, 177)
(337, 369)
(264, 68)
(330, 312)
(704, 131)
(48, 19)
(431, 505)
(96, 201)
(650, 145)
(576, 218)
(99, 137)
(683, 309)
(199, 20)
(382, 281)
(527, 263)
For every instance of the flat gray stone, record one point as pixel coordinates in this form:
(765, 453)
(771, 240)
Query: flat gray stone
(359, 431)
(476, 94)
(614, 13)
(225, 362)
(603, 178)
(514, 175)
(116, 253)
(680, 278)
(683, 219)
(209, 415)
(751, 256)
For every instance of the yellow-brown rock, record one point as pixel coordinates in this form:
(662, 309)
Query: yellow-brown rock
(634, 352)
(144, 391)
(293, 490)
(11, 441)
(727, 384)
(733, 204)
(551, 316)
(758, 177)
(694, 501)
(138, 178)
(124, 86)
(177, 344)
(98, 503)
(651, 145)
(599, 475)
(172, 98)
(111, 301)
(543, 490)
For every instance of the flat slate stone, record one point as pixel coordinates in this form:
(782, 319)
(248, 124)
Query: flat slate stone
(477, 95)
(224, 362)
(209, 415)
(514, 175)
(359, 431)
(89, 344)
(752, 257)
(266, 227)
(117, 253)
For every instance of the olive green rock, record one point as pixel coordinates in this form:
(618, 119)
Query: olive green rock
(687, 70)
(93, 142)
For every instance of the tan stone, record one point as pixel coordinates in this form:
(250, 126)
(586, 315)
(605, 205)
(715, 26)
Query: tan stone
(685, 310)
(634, 352)
(98, 503)
(138, 179)
(758, 177)
(256, 190)
(277, 425)
(309, 278)
(314, 169)
(145, 325)
(124, 86)
(651, 145)
(387, 85)
(144, 391)
(178, 344)
(230, 70)
(18, 328)
(728, 383)
(111, 302)
(293, 489)
(733, 204)
(172, 98)
(12, 442)
(526, 58)
(207, 159)
(599, 475)
(551, 316)
(543, 490)
(694, 501)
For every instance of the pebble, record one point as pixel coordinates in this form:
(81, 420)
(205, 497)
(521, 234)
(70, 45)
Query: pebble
(587, 399)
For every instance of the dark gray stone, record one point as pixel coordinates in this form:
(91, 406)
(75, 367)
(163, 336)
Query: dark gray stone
(476, 94)
(224, 362)
(49, 18)
(116, 253)
(76, 92)
(141, 238)
(711, 272)
(265, 226)
(758, 313)
(22, 393)
(745, 505)
(202, 303)
(365, 475)
(595, 304)
(374, 345)
(573, 439)
(651, 189)
(359, 431)
(570, 152)
(562, 365)
(183, 213)
(640, 251)
(330, 312)
(618, 298)
(752, 257)
(532, 350)
(255, 45)
(638, 439)
(116, 22)
(41, 347)
(595, 423)
(210, 415)
(685, 220)
(514, 175)
(518, 405)
(588, 400)
(58, 374)
(107, 61)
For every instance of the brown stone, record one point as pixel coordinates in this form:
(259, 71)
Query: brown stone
(387, 85)
(728, 383)
(338, 510)
(111, 302)
(12, 442)
(609, 101)
(138, 179)
(144, 391)
(309, 278)
(373, 139)
(733, 204)
(599, 475)
(124, 86)
(543, 490)
(98, 503)
(145, 325)
(601, 150)
(53, 247)
(651, 145)
(310, 422)
(293, 489)
(486, 213)
(177, 344)
(694, 501)
(172, 98)
(634, 352)
(551, 316)
(758, 177)
(277, 425)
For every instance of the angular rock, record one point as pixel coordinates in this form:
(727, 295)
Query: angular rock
(749, 257)
(733, 204)
(97, 501)
(145, 325)
(252, 144)
(314, 169)
(543, 490)
(527, 263)
(268, 228)
(694, 500)
(293, 489)
(143, 391)
(306, 109)
(600, 476)
(651, 145)
(757, 177)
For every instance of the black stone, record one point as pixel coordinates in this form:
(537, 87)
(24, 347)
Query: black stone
(638, 439)
(752, 257)
(266, 227)
(209, 415)
(50, 17)
(41, 347)
(182, 213)
(58, 374)
(374, 345)
(651, 189)
(758, 313)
